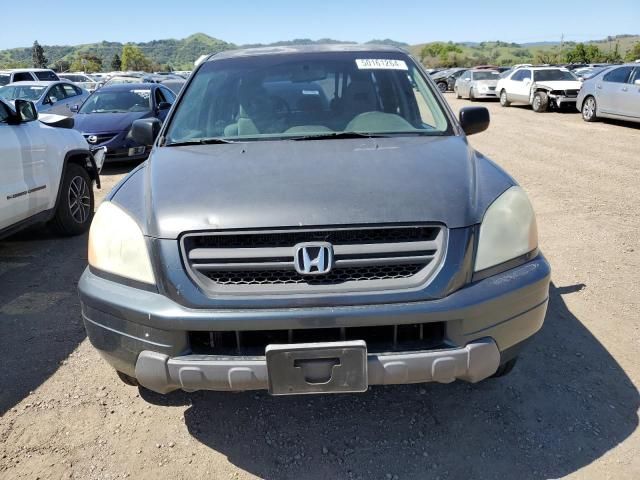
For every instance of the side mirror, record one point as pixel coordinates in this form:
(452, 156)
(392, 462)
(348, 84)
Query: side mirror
(26, 111)
(164, 106)
(145, 131)
(474, 119)
(75, 108)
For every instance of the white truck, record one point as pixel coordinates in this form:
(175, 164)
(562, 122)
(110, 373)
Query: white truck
(48, 172)
(541, 87)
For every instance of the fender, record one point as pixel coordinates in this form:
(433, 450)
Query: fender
(89, 165)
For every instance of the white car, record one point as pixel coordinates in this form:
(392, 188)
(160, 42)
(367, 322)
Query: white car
(540, 87)
(48, 172)
(80, 79)
(27, 75)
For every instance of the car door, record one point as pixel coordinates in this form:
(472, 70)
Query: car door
(14, 202)
(522, 87)
(73, 96)
(463, 88)
(54, 101)
(631, 95)
(611, 90)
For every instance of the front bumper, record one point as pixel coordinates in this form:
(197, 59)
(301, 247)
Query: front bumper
(145, 334)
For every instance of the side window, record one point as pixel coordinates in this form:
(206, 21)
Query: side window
(46, 76)
(635, 76)
(619, 75)
(526, 74)
(4, 113)
(56, 93)
(159, 97)
(70, 91)
(22, 77)
(168, 94)
(517, 77)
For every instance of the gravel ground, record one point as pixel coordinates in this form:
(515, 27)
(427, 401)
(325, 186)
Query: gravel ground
(570, 408)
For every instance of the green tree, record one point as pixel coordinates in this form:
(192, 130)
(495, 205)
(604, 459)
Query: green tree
(116, 63)
(134, 59)
(87, 63)
(37, 54)
(634, 53)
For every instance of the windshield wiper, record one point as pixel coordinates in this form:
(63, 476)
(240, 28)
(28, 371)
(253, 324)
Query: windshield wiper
(338, 135)
(199, 141)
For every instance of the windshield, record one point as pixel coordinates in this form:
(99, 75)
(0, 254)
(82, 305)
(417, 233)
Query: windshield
(550, 75)
(119, 101)
(22, 92)
(275, 96)
(4, 79)
(486, 75)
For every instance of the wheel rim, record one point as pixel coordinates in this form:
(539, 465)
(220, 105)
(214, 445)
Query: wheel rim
(79, 200)
(536, 103)
(589, 108)
(442, 87)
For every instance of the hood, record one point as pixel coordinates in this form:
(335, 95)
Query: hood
(560, 84)
(315, 183)
(106, 122)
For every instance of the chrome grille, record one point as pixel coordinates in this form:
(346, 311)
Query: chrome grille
(366, 258)
(99, 138)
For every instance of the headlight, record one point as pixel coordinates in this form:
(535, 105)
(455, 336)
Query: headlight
(508, 230)
(117, 246)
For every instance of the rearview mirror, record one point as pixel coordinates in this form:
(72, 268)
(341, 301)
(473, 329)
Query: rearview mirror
(26, 111)
(145, 131)
(474, 119)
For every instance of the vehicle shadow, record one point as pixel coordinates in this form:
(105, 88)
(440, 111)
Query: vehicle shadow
(566, 404)
(40, 322)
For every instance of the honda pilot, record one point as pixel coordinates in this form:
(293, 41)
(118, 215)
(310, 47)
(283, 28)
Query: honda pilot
(312, 220)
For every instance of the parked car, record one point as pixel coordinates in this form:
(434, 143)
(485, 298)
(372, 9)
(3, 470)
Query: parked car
(47, 173)
(312, 220)
(540, 87)
(106, 117)
(27, 75)
(475, 84)
(612, 93)
(174, 85)
(127, 79)
(49, 97)
(82, 80)
(446, 79)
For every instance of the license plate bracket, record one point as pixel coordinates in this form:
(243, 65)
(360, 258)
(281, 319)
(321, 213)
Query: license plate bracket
(307, 368)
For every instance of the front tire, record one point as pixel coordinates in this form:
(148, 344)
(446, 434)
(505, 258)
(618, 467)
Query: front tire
(75, 208)
(472, 96)
(442, 86)
(589, 109)
(503, 99)
(540, 102)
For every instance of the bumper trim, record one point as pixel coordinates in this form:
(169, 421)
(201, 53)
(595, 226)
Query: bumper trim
(161, 373)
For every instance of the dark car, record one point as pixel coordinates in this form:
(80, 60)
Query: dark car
(105, 118)
(446, 80)
(313, 220)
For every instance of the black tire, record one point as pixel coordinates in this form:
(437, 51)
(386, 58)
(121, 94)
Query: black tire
(76, 202)
(127, 379)
(503, 99)
(505, 368)
(442, 86)
(540, 102)
(589, 109)
(457, 93)
(472, 97)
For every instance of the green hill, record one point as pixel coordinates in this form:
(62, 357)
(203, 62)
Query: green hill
(180, 54)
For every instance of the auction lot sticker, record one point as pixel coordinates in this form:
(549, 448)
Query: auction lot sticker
(380, 64)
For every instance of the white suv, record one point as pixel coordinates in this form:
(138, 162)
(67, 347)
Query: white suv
(47, 172)
(540, 87)
(27, 75)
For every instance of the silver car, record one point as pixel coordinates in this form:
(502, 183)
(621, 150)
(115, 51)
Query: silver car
(612, 93)
(48, 97)
(478, 83)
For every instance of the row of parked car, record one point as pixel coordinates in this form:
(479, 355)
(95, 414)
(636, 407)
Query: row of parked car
(104, 116)
(611, 91)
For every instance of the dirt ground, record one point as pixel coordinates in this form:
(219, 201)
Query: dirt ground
(570, 408)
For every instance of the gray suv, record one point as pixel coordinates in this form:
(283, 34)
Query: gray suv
(312, 220)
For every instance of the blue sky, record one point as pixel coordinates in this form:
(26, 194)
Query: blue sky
(72, 22)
